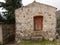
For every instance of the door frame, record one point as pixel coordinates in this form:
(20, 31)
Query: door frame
(34, 22)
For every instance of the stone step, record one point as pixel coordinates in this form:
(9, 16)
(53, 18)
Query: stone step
(37, 38)
(36, 33)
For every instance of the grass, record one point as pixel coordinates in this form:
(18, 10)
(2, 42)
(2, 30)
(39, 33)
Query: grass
(44, 42)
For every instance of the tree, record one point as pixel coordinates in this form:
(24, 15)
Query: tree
(10, 6)
(1, 18)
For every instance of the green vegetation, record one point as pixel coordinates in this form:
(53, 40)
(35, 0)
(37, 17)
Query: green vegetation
(58, 21)
(58, 26)
(45, 42)
(10, 6)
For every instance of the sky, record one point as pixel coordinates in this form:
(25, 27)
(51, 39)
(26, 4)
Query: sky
(55, 3)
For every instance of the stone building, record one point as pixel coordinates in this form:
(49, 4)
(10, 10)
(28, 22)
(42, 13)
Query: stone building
(34, 21)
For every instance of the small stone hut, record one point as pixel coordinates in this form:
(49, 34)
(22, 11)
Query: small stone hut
(35, 20)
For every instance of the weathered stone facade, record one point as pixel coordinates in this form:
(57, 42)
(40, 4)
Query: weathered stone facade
(25, 20)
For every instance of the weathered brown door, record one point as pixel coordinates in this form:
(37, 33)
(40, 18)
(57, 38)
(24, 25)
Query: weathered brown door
(38, 23)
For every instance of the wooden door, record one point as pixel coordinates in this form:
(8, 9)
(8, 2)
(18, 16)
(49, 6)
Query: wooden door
(38, 23)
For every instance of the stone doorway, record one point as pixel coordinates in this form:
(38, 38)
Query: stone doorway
(38, 23)
(8, 33)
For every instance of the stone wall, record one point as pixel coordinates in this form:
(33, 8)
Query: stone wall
(25, 21)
